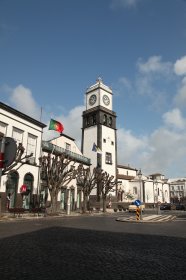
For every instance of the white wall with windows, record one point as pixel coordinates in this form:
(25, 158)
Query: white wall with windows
(27, 131)
(145, 189)
(66, 142)
(177, 189)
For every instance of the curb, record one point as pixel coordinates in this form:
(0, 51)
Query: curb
(6, 218)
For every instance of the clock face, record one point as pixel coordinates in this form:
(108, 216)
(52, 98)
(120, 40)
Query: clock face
(92, 99)
(106, 100)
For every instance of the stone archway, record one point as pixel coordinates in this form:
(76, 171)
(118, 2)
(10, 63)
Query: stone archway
(11, 189)
(27, 198)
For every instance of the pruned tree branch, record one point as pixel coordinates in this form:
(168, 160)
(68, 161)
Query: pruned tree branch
(57, 171)
(18, 159)
(87, 181)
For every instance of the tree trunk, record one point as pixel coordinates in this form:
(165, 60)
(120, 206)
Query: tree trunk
(54, 196)
(104, 203)
(84, 204)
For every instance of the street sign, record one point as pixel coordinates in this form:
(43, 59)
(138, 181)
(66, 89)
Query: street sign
(10, 151)
(137, 202)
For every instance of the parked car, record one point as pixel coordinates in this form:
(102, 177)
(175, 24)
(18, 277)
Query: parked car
(132, 207)
(166, 206)
(180, 207)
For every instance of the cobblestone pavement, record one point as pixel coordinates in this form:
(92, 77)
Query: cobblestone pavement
(91, 248)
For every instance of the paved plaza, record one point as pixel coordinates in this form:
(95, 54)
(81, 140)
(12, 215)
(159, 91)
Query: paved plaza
(88, 248)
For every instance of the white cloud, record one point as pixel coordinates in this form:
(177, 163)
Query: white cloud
(180, 97)
(150, 73)
(154, 65)
(129, 146)
(153, 79)
(164, 149)
(180, 66)
(180, 70)
(160, 151)
(168, 148)
(144, 85)
(21, 98)
(174, 119)
(125, 82)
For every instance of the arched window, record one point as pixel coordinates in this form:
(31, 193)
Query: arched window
(135, 190)
(28, 181)
(11, 189)
(110, 121)
(105, 119)
(27, 199)
(94, 119)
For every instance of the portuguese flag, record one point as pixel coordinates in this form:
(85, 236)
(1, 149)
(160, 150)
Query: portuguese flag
(55, 125)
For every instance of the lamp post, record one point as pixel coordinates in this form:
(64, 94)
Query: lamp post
(139, 174)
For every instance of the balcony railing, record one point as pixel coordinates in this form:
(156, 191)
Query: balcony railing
(56, 149)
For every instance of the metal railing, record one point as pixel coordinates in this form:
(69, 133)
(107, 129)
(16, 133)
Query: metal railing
(56, 149)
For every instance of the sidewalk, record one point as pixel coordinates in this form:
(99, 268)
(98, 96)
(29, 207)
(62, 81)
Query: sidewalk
(147, 219)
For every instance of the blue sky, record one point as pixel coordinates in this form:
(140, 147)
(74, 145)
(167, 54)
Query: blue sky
(52, 50)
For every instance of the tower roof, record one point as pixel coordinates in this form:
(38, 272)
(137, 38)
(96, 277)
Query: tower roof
(99, 84)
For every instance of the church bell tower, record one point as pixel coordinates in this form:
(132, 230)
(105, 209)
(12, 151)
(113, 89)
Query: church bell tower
(99, 128)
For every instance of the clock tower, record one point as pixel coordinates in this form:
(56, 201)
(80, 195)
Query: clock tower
(99, 127)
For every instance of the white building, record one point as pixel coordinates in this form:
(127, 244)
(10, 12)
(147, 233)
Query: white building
(177, 190)
(27, 131)
(70, 197)
(133, 185)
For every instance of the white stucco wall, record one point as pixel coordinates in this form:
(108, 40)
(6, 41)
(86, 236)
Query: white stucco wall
(63, 140)
(90, 134)
(14, 121)
(109, 136)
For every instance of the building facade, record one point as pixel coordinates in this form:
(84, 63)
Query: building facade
(27, 131)
(133, 185)
(177, 190)
(70, 197)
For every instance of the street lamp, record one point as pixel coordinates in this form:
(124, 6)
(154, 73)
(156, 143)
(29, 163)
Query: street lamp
(139, 174)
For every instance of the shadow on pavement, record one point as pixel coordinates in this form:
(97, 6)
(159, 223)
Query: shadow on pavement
(68, 253)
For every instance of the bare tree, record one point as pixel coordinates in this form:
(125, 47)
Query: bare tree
(57, 171)
(19, 159)
(86, 180)
(105, 183)
(16, 164)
